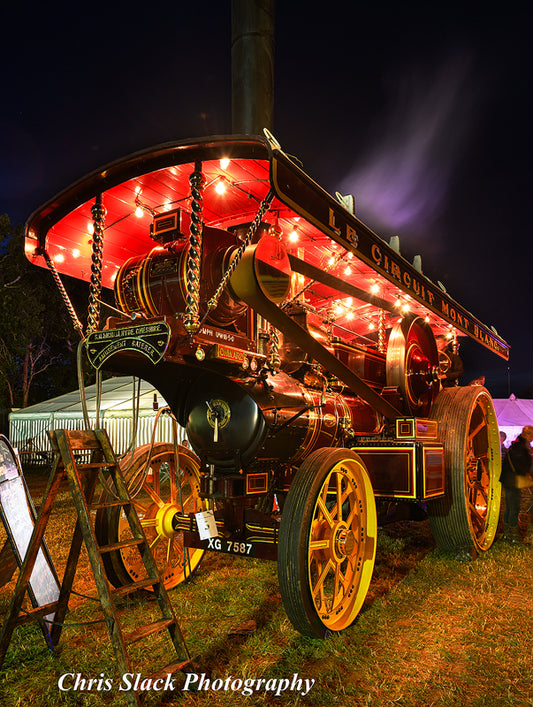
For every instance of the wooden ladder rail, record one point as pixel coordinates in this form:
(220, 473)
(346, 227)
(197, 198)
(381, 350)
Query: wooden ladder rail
(83, 479)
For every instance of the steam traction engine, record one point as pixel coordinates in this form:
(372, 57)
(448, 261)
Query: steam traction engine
(297, 349)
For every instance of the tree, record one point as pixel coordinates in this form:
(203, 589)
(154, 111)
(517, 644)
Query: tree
(37, 339)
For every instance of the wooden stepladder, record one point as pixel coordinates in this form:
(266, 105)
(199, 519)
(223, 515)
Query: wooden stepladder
(86, 459)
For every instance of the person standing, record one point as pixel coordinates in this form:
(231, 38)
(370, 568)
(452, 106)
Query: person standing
(503, 450)
(517, 462)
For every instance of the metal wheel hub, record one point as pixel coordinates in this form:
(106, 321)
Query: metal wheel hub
(164, 518)
(345, 542)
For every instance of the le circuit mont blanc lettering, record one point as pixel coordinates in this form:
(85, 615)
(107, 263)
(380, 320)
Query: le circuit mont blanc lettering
(398, 271)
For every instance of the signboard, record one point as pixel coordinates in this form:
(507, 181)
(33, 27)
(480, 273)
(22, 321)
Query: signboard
(18, 516)
(308, 199)
(151, 340)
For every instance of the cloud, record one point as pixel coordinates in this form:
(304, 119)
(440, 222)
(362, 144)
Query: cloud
(403, 182)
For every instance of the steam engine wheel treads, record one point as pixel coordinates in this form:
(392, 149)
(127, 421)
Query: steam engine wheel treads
(467, 517)
(155, 491)
(327, 542)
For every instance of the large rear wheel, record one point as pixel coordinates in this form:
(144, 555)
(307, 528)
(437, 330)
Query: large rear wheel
(327, 542)
(160, 486)
(467, 517)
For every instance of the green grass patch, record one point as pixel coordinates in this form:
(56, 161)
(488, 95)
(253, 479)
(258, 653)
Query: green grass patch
(433, 631)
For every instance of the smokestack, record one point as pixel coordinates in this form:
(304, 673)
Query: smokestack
(252, 65)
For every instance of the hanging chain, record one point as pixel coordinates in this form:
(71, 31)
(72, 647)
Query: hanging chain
(93, 314)
(62, 291)
(273, 358)
(381, 331)
(263, 208)
(191, 319)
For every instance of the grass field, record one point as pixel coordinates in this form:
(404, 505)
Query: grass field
(433, 631)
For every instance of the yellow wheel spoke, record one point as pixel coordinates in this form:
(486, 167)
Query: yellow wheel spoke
(351, 515)
(156, 498)
(339, 496)
(139, 507)
(473, 433)
(319, 584)
(149, 522)
(156, 477)
(476, 516)
(186, 501)
(157, 539)
(339, 586)
(325, 512)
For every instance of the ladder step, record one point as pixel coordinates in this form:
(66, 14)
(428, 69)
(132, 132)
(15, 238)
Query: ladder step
(134, 586)
(94, 465)
(108, 504)
(170, 669)
(122, 544)
(37, 612)
(148, 630)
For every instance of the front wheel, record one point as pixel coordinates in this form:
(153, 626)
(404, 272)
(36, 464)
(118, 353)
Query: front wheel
(327, 542)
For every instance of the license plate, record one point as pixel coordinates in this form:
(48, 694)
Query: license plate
(231, 547)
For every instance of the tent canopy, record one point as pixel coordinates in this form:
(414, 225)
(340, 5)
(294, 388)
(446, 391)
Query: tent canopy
(117, 396)
(28, 427)
(513, 414)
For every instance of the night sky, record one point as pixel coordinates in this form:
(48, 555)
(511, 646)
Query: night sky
(421, 110)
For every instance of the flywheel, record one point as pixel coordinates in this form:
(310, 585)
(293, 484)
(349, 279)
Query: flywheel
(412, 364)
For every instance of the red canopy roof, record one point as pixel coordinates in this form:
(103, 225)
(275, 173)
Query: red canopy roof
(318, 231)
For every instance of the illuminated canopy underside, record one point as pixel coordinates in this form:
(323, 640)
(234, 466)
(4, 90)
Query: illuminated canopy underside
(315, 228)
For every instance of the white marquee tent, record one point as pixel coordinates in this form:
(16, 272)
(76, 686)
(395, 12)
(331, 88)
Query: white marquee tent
(513, 414)
(28, 427)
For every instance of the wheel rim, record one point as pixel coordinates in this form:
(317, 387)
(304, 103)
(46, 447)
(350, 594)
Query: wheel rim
(482, 487)
(340, 560)
(159, 491)
(469, 513)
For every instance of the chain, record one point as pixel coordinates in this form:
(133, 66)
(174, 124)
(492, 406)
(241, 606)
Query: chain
(192, 302)
(64, 294)
(381, 331)
(274, 361)
(93, 314)
(263, 208)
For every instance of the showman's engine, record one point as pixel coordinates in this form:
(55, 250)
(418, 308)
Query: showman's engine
(253, 407)
(296, 351)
